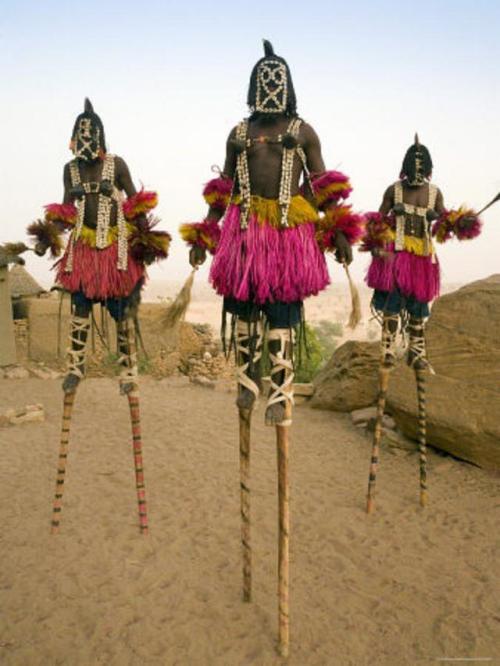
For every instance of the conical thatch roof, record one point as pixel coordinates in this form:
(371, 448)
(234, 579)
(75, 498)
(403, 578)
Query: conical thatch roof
(22, 284)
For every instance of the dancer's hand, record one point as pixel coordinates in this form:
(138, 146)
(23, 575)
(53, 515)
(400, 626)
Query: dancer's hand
(467, 222)
(379, 252)
(343, 251)
(197, 256)
(40, 249)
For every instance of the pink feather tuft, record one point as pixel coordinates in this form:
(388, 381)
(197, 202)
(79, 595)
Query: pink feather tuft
(329, 187)
(469, 231)
(340, 218)
(462, 223)
(139, 203)
(217, 192)
(64, 213)
(377, 231)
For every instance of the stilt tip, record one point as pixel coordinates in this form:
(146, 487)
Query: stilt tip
(283, 649)
(370, 506)
(247, 596)
(423, 498)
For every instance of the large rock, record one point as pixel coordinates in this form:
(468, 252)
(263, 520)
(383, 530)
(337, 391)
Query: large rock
(463, 398)
(349, 379)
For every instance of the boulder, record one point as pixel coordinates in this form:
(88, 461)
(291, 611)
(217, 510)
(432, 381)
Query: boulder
(29, 414)
(362, 416)
(15, 372)
(349, 380)
(463, 397)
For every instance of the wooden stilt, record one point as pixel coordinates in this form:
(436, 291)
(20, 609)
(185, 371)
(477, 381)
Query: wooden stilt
(133, 400)
(422, 434)
(282, 437)
(69, 398)
(377, 435)
(245, 424)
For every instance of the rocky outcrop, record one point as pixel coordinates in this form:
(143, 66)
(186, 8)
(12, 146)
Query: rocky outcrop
(349, 379)
(463, 397)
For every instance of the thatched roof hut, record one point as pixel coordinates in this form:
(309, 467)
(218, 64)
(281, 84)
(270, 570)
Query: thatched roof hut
(22, 284)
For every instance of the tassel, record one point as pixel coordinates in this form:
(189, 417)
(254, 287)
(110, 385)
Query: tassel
(355, 316)
(177, 310)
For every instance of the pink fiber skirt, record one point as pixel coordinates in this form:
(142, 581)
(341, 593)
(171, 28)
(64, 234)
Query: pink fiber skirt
(95, 272)
(262, 263)
(411, 274)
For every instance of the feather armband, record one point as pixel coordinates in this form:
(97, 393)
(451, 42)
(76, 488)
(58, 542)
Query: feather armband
(217, 192)
(139, 203)
(378, 232)
(204, 234)
(340, 218)
(64, 214)
(148, 245)
(47, 234)
(329, 188)
(462, 223)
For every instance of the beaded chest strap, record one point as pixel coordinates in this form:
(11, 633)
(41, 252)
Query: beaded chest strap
(243, 173)
(104, 212)
(419, 211)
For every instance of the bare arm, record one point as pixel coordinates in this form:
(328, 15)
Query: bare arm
(123, 177)
(439, 205)
(231, 155)
(312, 149)
(67, 198)
(387, 201)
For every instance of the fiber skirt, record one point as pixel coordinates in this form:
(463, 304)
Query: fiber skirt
(265, 263)
(410, 274)
(95, 272)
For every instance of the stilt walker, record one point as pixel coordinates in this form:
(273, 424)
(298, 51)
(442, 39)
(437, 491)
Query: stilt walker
(111, 241)
(269, 257)
(404, 273)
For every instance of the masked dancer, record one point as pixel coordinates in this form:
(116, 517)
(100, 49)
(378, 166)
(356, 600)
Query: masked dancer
(268, 234)
(111, 240)
(404, 273)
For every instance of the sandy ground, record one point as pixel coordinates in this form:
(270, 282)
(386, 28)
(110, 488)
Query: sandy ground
(401, 587)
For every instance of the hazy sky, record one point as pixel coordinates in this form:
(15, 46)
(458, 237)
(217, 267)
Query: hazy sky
(169, 80)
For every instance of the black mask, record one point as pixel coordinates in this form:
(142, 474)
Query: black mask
(88, 135)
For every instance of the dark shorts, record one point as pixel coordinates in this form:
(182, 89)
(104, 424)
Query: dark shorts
(118, 308)
(278, 314)
(393, 302)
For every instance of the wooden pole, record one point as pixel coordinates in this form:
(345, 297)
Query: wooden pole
(245, 424)
(135, 417)
(7, 338)
(377, 435)
(422, 434)
(282, 437)
(69, 398)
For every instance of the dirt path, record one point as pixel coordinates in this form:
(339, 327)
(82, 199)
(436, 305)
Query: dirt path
(402, 587)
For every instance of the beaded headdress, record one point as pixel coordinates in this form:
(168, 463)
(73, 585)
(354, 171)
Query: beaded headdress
(417, 164)
(88, 139)
(271, 89)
